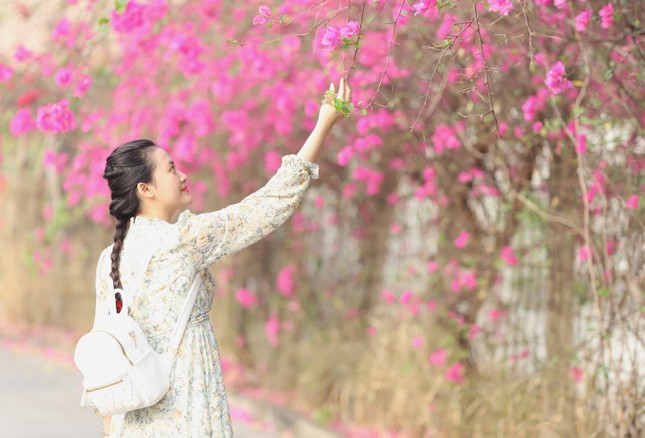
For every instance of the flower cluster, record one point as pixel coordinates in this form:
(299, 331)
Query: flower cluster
(501, 6)
(582, 19)
(426, 7)
(555, 80)
(264, 13)
(334, 36)
(56, 117)
(606, 16)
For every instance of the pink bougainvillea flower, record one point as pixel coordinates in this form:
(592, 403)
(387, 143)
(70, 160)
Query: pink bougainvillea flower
(444, 137)
(560, 4)
(259, 19)
(56, 160)
(22, 54)
(555, 80)
(462, 240)
(576, 374)
(130, 20)
(582, 19)
(495, 315)
(5, 73)
(501, 6)
(417, 342)
(345, 155)
(372, 178)
(285, 282)
(388, 296)
(606, 16)
(349, 30)
(56, 117)
(426, 7)
(581, 144)
(455, 373)
(22, 122)
(64, 77)
(533, 104)
(293, 306)
(508, 255)
(331, 38)
(28, 97)
(62, 30)
(82, 86)
(632, 202)
(246, 298)
(272, 330)
(265, 11)
(473, 331)
(583, 253)
(438, 357)
(406, 296)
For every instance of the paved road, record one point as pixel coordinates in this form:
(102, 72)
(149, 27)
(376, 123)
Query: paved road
(39, 398)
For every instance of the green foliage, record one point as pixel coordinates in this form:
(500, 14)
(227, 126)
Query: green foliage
(120, 5)
(343, 107)
(604, 292)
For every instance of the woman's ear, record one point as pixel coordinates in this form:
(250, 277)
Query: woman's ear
(145, 190)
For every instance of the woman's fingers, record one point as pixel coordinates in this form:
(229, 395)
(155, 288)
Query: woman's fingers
(343, 90)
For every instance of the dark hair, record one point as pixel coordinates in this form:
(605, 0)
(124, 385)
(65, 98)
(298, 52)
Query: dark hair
(127, 166)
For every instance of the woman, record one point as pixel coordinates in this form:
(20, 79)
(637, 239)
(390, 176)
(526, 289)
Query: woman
(146, 190)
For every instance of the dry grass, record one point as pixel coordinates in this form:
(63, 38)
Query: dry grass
(383, 383)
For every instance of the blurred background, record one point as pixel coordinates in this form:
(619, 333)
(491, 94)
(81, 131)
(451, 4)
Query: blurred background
(471, 260)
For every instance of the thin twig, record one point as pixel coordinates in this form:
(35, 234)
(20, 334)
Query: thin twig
(443, 52)
(387, 59)
(358, 39)
(485, 69)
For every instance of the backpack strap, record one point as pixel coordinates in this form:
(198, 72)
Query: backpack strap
(185, 315)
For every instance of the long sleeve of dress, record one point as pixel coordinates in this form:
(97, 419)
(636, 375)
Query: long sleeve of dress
(208, 237)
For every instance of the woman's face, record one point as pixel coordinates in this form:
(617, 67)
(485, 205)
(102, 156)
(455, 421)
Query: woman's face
(169, 186)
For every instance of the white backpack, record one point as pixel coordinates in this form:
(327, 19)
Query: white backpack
(121, 370)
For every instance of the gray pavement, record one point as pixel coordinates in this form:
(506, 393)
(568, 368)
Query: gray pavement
(39, 398)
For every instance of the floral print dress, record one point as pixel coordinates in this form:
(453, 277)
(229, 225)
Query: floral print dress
(196, 405)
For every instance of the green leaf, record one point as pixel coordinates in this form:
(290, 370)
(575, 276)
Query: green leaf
(604, 292)
(103, 21)
(120, 5)
(363, 111)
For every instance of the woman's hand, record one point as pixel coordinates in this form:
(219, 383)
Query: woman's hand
(335, 106)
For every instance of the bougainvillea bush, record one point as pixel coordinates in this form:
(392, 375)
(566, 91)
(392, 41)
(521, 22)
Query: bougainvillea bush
(471, 260)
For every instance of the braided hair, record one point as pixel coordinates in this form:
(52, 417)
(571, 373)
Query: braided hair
(127, 166)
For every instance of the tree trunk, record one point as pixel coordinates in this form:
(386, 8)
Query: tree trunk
(561, 243)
